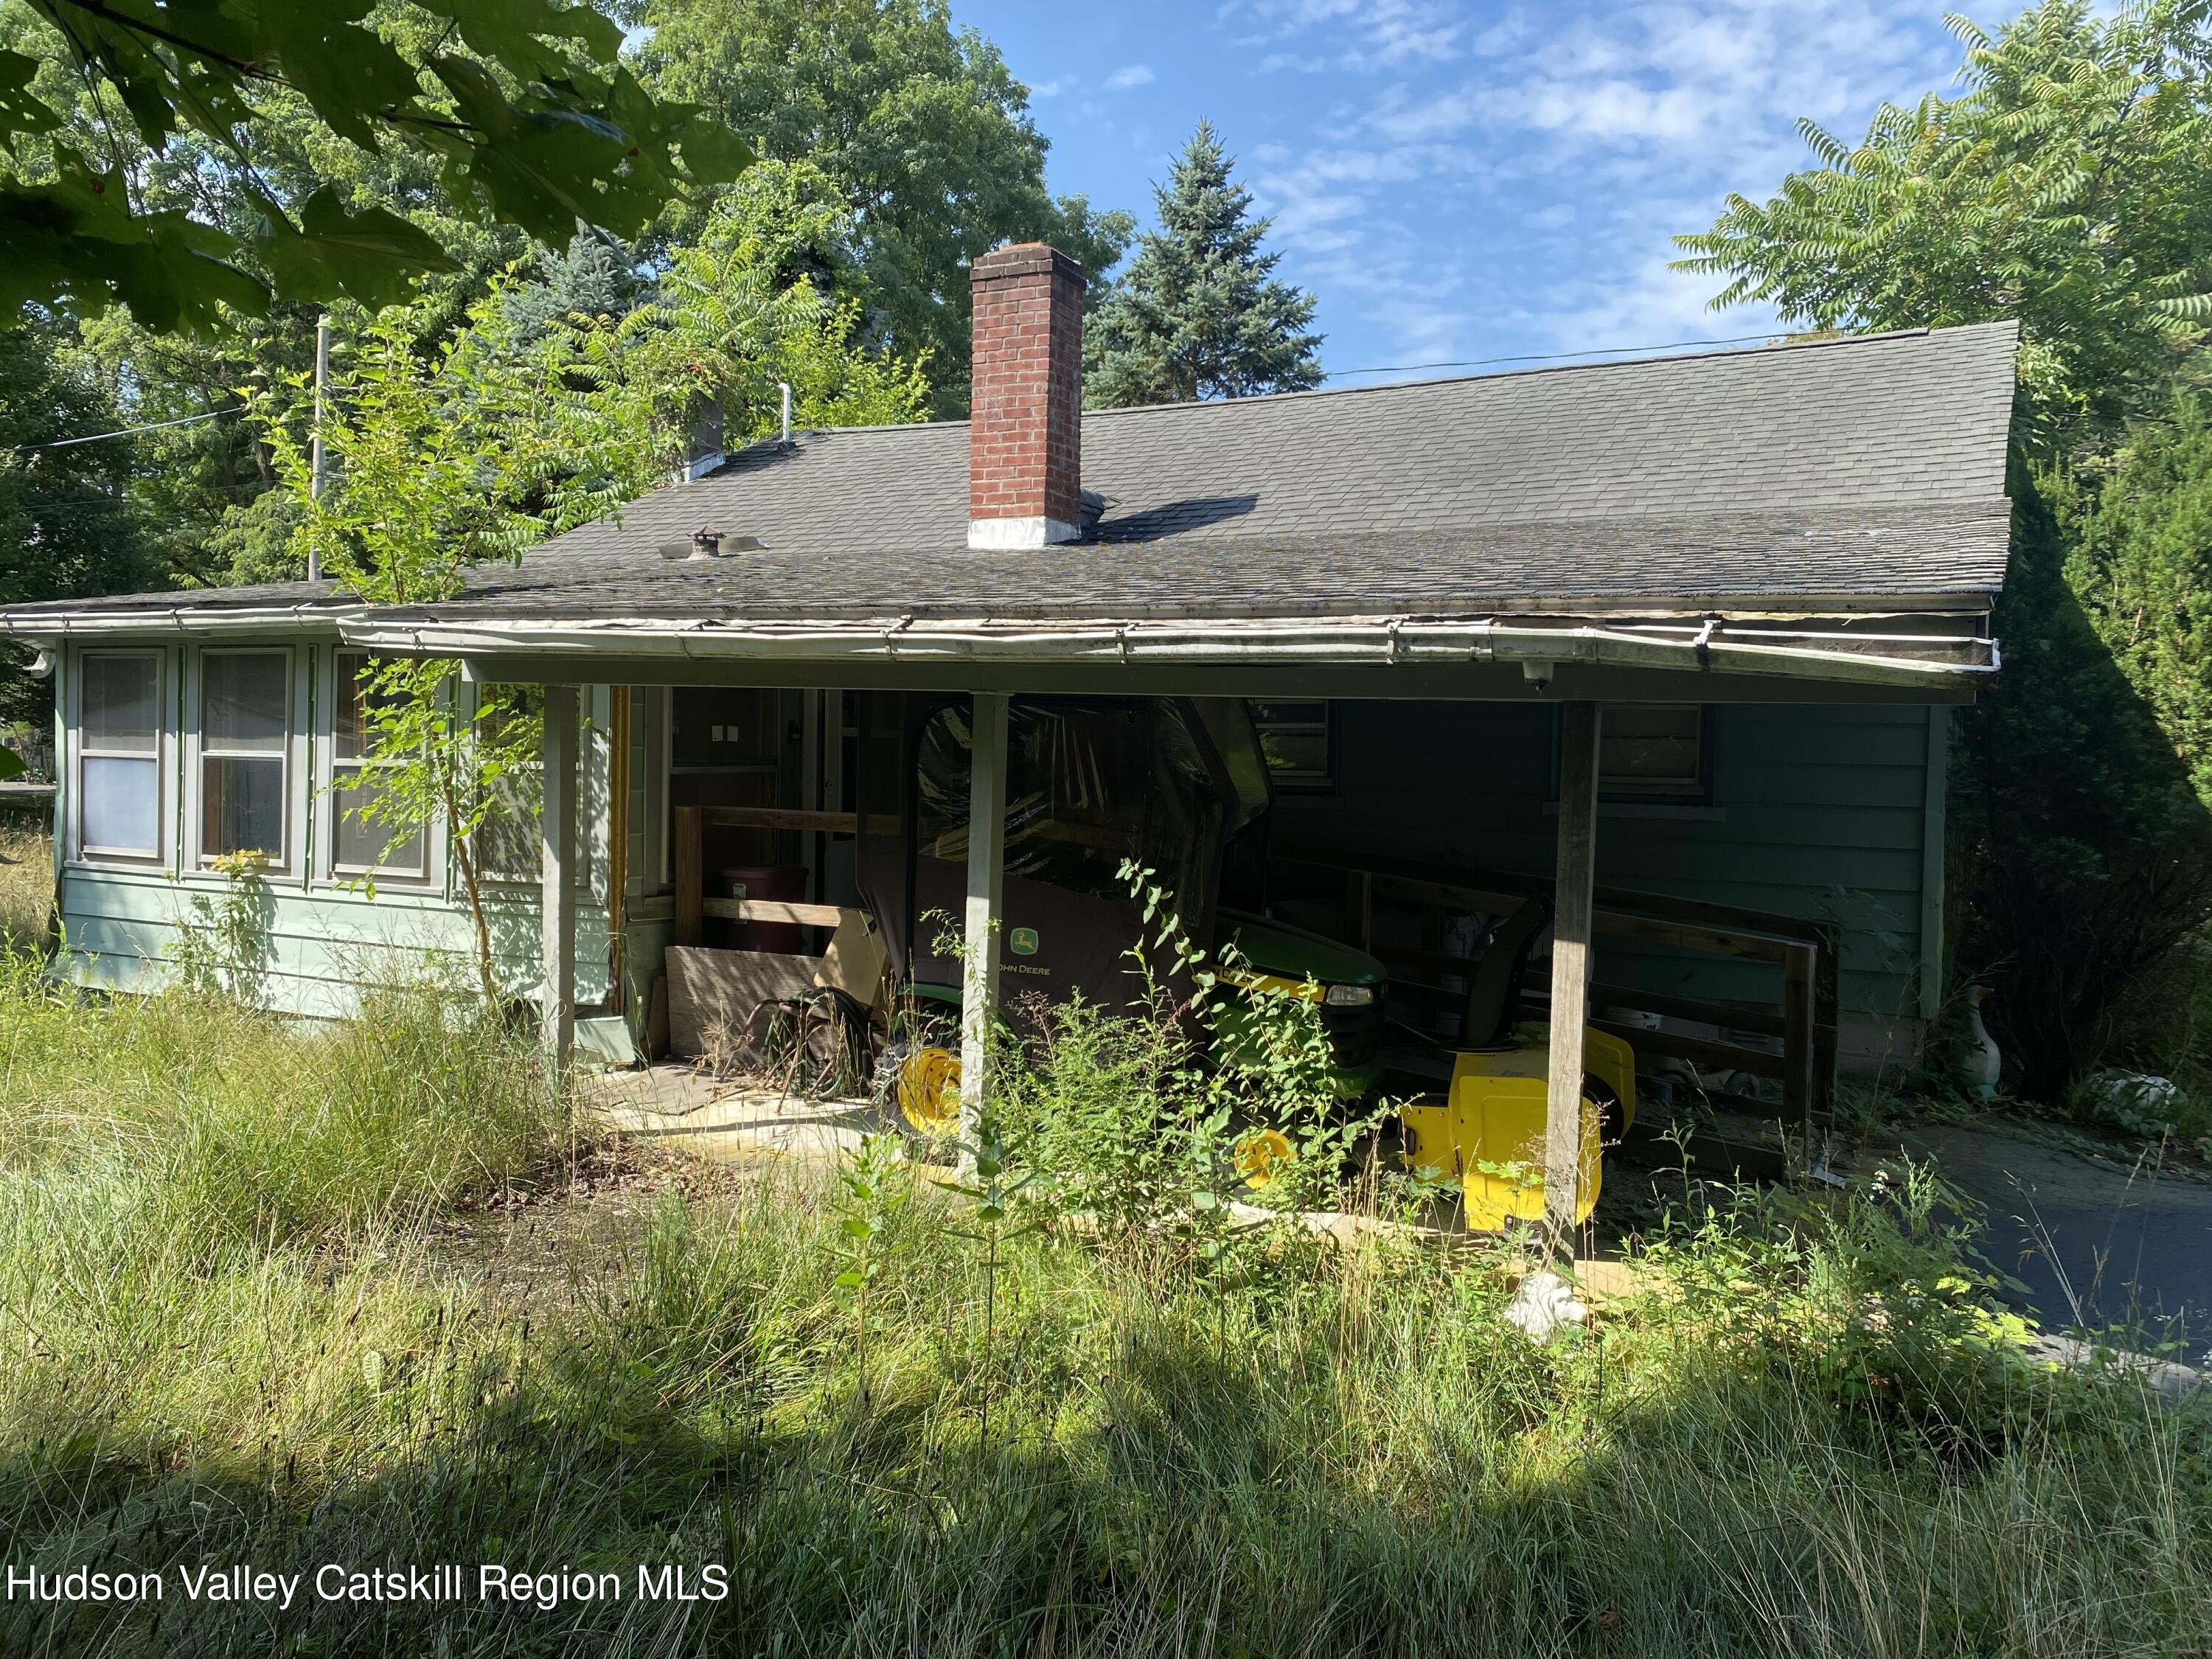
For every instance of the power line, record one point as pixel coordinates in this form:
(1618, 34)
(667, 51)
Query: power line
(1549, 356)
(128, 431)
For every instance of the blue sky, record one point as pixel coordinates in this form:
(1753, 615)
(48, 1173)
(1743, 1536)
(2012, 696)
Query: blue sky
(1469, 180)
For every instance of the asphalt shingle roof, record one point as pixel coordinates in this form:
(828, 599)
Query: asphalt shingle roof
(1857, 467)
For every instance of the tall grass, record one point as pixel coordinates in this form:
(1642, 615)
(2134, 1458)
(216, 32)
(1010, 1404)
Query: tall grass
(1811, 1436)
(27, 887)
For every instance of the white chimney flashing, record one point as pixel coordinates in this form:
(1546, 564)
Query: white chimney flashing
(1014, 534)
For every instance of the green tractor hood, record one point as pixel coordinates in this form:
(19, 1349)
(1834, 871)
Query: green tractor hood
(1276, 947)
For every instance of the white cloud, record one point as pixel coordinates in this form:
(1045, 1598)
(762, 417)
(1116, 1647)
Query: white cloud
(1129, 74)
(1381, 34)
(1520, 175)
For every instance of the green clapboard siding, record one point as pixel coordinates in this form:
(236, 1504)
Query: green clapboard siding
(323, 943)
(1817, 812)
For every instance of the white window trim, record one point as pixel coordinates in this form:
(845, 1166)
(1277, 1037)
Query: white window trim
(329, 872)
(198, 860)
(71, 767)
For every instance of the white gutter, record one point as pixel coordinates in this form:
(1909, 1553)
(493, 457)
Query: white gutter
(1381, 640)
(183, 620)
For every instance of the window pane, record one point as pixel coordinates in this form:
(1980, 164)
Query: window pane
(368, 846)
(242, 806)
(350, 730)
(1652, 749)
(1296, 741)
(1296, 753)
(242, 700)
(122, 805)
(119, 712)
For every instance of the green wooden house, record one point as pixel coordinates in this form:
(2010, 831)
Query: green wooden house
(1770, 571)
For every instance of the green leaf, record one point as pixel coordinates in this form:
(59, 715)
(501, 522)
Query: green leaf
(21, 109)
(348, 73)
(370, 257)
(11, 765)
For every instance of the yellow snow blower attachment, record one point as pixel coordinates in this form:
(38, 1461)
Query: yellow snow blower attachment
(1488, 1132)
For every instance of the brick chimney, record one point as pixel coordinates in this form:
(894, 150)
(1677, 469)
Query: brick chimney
(1026, 429)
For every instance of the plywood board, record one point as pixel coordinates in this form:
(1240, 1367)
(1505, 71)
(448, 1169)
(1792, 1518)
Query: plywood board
(707, 987)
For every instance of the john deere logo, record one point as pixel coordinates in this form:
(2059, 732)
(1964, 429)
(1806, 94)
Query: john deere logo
(1023, 941)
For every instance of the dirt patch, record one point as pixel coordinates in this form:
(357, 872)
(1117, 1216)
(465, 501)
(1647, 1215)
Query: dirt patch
(555, 1246)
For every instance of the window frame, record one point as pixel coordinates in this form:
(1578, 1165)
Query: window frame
(163, 757)
(1325, 782)
(333, 770)
(291, 753)
(1670, 793)
(527, 875)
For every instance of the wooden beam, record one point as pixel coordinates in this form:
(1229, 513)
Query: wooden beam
(690, 876)
(1798, 1048)
(1828, 997)
(806, 916)
(785, 818)
(1765, 1021)
(1710, 1051)
(1513, 885)
(1572, 904)
(557, 888)
(1359, 909)
(986, 879)
(618, 757)
(1683, 935)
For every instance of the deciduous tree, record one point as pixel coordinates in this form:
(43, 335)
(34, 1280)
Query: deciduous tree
(925, 130)
(67, 526)
(525, 109)
(2069, 184)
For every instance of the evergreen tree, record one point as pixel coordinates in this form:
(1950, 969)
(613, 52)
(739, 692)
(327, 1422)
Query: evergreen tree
(1198, 314)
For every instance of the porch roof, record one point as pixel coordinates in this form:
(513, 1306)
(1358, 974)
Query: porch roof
(1836, 481)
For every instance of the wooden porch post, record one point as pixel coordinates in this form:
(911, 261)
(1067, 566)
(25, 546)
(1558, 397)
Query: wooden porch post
(557, 891)
(1570, 973)
(987, 880)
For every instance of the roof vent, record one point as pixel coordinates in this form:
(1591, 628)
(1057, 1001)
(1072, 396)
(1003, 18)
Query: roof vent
(709, 543)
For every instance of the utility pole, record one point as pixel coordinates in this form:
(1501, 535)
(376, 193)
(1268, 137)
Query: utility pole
(315, 442)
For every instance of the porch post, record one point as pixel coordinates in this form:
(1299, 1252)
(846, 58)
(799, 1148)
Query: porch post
(557, 891)
(986, 881)
(1571, 974)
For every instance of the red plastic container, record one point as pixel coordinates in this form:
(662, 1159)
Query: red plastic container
(787, 882)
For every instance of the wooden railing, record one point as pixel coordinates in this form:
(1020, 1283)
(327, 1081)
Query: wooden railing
(1805, 951)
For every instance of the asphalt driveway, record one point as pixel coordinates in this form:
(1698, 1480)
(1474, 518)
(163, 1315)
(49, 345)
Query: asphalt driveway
(2099, 1242)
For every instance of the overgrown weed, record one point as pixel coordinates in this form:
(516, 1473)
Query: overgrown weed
(1811, 1434)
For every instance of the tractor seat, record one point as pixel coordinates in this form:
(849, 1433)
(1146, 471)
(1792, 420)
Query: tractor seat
(1493, 992)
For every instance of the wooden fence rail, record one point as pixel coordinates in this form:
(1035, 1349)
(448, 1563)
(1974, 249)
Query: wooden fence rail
(694, 905)
(1805, 952)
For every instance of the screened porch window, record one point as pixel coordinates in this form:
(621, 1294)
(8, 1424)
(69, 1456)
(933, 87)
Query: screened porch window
(1654, 751)
(363, 846)
(245, 733)
(1299, 742)
(119, 766)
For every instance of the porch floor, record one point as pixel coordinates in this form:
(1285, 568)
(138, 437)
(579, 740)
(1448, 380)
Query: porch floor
(685, 1108)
